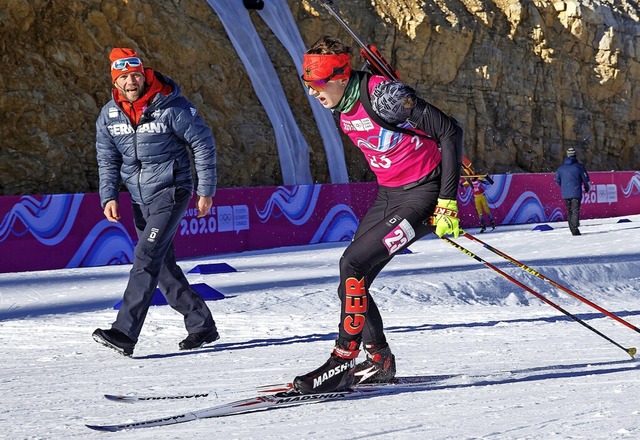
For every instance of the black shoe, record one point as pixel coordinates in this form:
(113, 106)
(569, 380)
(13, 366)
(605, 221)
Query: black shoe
(379, 367)
(576, 232)
(115, 340)
(333, 375)
(197, 340)
(482, 229)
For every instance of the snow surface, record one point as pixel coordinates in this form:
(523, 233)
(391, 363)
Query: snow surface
(523, 369)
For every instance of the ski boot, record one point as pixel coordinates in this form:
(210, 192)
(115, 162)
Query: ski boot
(379, 367)
(333, 375)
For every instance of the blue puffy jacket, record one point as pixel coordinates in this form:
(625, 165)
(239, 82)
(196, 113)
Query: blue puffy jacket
(571, 176)
(154, 155)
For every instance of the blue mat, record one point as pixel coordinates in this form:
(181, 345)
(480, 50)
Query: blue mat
(207, 293)
(212, 268)
(543, 228)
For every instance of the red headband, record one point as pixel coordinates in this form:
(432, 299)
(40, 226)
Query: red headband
(316, 67)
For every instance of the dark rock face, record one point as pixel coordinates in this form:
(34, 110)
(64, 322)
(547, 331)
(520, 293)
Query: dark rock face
(526, 79)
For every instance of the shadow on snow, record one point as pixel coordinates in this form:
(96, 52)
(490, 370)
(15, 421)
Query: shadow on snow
(314, 337)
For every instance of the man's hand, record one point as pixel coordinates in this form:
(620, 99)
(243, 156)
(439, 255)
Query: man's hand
(204, 205)
(445, 218)
(111, 211)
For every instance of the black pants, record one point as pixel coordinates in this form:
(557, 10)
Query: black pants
(395, 220)
(154, 265)
(573, 214)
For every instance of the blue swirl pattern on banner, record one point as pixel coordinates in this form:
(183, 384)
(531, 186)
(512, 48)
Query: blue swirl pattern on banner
(107, 244)
(528, 209)
(497, 193)
(49, 220)
(633, 187)
(339, 224)
(297, 204)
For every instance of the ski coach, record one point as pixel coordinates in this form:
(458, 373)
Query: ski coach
(143, 138)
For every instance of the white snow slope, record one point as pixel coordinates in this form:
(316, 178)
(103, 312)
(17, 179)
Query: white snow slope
(524, 370)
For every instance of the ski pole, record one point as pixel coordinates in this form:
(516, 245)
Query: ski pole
(630, 351)
(550, 281)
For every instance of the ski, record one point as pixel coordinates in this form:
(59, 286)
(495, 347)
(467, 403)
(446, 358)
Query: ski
(142, 398)
(276, 400)
(407, 381)
(261, 389)
(134, 398)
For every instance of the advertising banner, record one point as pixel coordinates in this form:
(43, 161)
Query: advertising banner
(69, 230)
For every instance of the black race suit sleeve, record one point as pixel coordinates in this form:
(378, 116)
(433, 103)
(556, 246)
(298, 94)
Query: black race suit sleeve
(446, 131)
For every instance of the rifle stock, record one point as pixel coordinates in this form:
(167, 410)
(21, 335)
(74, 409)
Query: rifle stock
(377, 64)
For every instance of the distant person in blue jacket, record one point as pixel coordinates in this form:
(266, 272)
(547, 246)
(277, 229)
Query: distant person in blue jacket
(145, 137)
(572, 176)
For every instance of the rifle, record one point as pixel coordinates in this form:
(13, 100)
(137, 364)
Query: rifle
(468, 170)
(475, 176)
(378, 65)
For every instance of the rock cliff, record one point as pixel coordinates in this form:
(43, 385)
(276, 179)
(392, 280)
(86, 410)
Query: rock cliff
(526, 78)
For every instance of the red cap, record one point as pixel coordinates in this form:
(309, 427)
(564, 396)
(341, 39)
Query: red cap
(123, 61)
